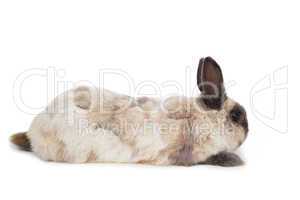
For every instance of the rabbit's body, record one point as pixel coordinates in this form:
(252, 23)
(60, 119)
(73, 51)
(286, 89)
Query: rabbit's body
(87, 125)
(95, 125)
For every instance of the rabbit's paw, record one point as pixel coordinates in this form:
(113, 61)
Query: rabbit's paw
(225, 159)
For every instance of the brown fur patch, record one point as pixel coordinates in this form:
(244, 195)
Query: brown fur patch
(183, 149)
(147, 104)
(122, 124)
(179, 115)
(82, 97)
(21, 141)
(51, 141)
(177, 108)
(142, 100)
(60, 154)
(148, 162)
(92, 157)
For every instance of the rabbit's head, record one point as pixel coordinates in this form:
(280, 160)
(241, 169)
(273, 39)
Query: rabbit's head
(218, 113)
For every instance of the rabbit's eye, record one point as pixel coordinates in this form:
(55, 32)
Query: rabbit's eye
(235, 115)
(238, 115)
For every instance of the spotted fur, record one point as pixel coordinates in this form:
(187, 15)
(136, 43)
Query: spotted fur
(95, 125)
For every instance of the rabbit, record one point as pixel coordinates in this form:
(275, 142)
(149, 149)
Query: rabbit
(90, 125)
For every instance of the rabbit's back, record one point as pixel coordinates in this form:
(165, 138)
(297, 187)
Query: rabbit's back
(92, 125)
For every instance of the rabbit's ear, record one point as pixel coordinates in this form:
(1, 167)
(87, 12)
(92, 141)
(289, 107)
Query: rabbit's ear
(210, 82)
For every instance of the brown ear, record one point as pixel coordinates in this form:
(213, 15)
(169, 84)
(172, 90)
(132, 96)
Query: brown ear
(210, 82)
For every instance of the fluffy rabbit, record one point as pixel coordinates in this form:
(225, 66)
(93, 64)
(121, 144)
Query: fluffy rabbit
(86, 125)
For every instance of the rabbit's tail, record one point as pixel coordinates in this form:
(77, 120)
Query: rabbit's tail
(22, 141)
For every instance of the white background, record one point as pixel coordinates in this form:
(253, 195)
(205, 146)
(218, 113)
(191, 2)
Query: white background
(153, 40)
